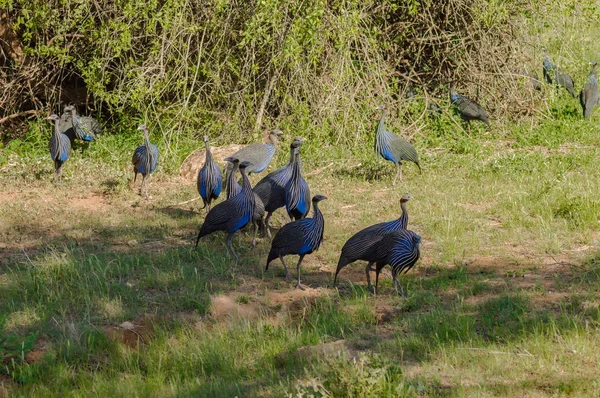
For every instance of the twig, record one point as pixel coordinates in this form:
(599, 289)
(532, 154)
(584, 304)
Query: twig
(186, 202)
(14, 115)
(496, 352)
(318, 171)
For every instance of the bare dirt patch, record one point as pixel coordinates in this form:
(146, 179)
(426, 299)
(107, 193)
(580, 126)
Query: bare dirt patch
(131, 334)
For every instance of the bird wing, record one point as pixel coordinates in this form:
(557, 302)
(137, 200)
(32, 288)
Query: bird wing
(470, 108)
(403, 149)
(292, 236)
(83, 128)
(259, 155)
(60, 147)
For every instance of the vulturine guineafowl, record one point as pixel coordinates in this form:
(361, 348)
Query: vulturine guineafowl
(271, 189)
(362, 245)
(258, 155)
(534, 81)
(561, 78)
(467, 108)
(588, 97)
(232, 214)
(297, 193)
(209, 178)
(300, 237)
(144, 160)
(233, 188)
(86, 128)
(393, 148)
(59, 145)
(401, 250)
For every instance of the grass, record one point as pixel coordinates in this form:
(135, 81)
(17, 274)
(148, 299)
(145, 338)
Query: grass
(103, 293)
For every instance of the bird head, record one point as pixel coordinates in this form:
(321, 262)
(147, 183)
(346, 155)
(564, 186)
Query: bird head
(593, 63)
(416, 239)
(54, 117)
(298, 141)
(205, 138)
(231, 159)
(318, 198)
(244, 164)
(381, 107)
(277, 132)
(70, 109)
(142, 127)
(405, 198)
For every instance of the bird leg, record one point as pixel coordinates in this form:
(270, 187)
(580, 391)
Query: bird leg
(207, 208)
(255, 233)
(377, 271)
(367, 272)
(398, 172)
(229, 245)
(287, 273)
(267, 226)
(146, 188)
(397, 285)
(299, 286)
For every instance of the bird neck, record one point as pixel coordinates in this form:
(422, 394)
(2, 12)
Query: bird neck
(208, 153)
(404, 216)
(317, 215)
(296, 167)
(292, 157)
(381, 124)
(146, 138)
(246, 186)
(56, 127)
(232, 183)
(593, 71)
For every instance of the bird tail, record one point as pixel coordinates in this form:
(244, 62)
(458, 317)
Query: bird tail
(203, 231)
(343, 261)
(272, 256)
(420, 170)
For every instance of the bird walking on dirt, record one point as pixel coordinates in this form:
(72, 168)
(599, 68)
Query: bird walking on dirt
(363, 244)
(209, 178)
(300, 237)
(144, 160)
(59, 146)
(401, 250)
(233, 188)
(233, 214)
(86, 128)
(393, 148)
(468, 109)
(297, 193)
(588, 97)
(271, 189)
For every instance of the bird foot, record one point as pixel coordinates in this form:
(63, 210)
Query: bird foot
(288, 277)
(299, 286)
(371, 290)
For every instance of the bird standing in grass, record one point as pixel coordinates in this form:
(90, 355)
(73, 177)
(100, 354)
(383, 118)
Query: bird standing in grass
(561, 78)
(300, 237)
(362, 245)
(393, 148)
(588, 97)
(258, 155)
(271, 189)
(468, 109)
(209, 178)
(233, 188)
(144, 160)
(297, 193)
(60, 147)
(401, 250)
(232, 214)
(86, 128)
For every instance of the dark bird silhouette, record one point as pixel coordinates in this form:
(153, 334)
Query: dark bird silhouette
(258, 155)
(233, 188)
(59, 146)
(209, 178)
(363, 244)
(86, 128)
(393, 148)
(144, 160)
(467, 108)
(300, 237)
(231, 215)
(271, 189)
(534, 80)
(561, 78)
(297, 193)
(588, 97)
(401, 250)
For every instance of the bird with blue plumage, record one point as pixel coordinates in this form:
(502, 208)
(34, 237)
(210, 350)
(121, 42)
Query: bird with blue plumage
(554, 74)
(394, 148)
(297, 192)
(363, 244)
(401, 250)
(144, 160)
(300, 237)
(59, 146)
(209, 178)
(232, 214)
(468, 108)
(86, 128)
(271, 189)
